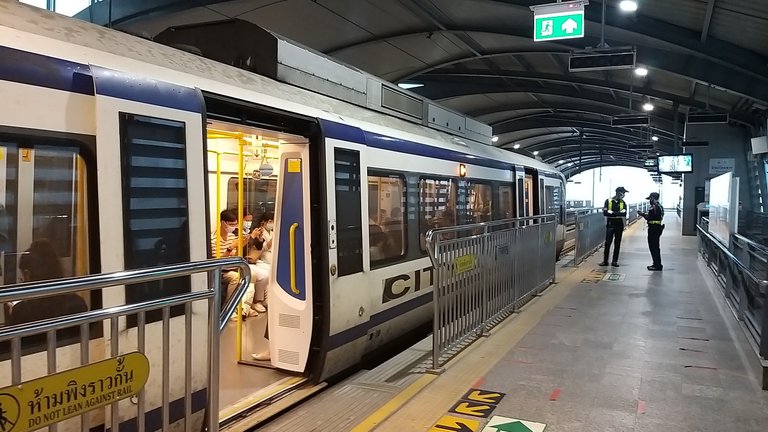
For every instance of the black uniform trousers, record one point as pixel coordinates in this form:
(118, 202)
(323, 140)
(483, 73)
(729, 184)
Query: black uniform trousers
(654, 234)
(613, 231)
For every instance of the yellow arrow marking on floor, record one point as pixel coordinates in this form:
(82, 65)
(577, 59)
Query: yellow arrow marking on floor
(479, 396)
(468, 408)
(455, 424)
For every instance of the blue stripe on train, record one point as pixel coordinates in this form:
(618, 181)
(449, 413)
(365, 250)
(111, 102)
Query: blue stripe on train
(356, 135)
(38, 70)
(146, 90)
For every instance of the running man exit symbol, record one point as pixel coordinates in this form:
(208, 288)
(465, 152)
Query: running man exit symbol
(546, 27)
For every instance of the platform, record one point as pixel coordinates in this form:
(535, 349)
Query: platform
(629, 351)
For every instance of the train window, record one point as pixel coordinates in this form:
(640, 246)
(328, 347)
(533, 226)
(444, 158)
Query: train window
(155, 206)
(348, 212)
(259, 195)
(437, 206)
(474, 204)
(506, 202)
(553, 195)
(43, 224)
(387, 228)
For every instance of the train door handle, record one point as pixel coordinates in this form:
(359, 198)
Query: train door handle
(292, 240)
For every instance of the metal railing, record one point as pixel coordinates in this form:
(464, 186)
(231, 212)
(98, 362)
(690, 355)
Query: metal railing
(745, 291)
(590, 230)
(590, 234)
(482, 273)
(216, 322)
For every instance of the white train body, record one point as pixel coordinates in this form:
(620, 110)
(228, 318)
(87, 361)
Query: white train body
(97, 92)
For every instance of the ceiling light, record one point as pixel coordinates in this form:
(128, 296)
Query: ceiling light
(647, 106)
(536, 152)
(408, 86)
(641, 71)
(516, 146)
(654, 138)
(494, 139)
(570, 163)
(628, 5)
(561, 162)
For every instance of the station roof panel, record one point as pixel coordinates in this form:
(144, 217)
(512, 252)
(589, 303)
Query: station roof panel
(478, 56)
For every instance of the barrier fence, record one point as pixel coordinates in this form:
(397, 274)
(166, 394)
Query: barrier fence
(590, 229)
(482, 273)
(213, 321)
(743, 288)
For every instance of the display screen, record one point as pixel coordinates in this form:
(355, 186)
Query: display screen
(682, 163)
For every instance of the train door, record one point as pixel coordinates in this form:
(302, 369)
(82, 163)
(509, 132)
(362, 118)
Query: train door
(259, 190)
(529, 195)
(349, 225)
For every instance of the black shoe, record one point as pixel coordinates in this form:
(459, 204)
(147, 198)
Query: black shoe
(615, 264)
(654, 268)
(604, 263)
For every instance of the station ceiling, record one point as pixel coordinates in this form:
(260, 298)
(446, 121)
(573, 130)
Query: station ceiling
(478, 57)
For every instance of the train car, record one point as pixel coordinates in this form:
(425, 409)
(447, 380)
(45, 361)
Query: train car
(119, 153)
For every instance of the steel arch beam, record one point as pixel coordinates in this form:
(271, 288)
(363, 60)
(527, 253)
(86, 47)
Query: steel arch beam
(567, 80)
(664, 130)
(442, 88)
(544, 123)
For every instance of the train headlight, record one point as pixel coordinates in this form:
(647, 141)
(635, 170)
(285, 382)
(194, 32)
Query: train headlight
(462, 170)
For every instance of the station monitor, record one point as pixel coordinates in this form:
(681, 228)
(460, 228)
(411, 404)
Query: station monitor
(681, 163)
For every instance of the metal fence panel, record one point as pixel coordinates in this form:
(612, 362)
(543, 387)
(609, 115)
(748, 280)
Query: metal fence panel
(483, 271)
(207, 301)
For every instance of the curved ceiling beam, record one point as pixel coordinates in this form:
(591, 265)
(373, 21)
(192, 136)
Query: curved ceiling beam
(586, 167)
(441, 88)
(733, 74)
(663, 130)
(525, 76)
(640, 24)
(544, 123)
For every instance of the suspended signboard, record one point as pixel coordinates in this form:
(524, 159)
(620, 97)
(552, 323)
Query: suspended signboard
(558, 20)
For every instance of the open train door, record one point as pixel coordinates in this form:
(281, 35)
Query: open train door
(290, 290)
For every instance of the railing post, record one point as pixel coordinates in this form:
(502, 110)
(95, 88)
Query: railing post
(486, 274)
(433, 242)
(214, 309)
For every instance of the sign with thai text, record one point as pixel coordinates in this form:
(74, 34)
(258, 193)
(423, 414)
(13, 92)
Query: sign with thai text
(44, 401)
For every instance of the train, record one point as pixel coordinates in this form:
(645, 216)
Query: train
(111, 145)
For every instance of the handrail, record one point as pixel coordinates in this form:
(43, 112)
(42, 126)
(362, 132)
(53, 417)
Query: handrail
(459, 228)
(762, 283)
(752, 243)
(130, 277)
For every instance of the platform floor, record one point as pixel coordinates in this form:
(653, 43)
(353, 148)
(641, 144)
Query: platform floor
(649, 351)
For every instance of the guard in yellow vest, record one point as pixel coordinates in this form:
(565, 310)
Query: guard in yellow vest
(615, 211)
(655, 216)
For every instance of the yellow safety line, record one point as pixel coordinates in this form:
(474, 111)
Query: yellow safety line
(293, 257)
(394, 404)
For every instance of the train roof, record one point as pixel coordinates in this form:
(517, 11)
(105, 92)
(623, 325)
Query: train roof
(63, 37)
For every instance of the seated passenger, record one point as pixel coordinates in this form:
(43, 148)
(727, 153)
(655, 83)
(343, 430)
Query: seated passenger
(40, 263)
(226, 246)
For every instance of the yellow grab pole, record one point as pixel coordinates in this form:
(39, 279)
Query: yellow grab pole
(240, 175)
(218, 204)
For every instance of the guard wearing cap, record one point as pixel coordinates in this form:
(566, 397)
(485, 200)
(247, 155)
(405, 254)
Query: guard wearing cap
(654, 217)
(615, 211)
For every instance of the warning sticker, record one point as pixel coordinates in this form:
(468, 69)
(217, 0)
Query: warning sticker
(464, 263)
(53, 398)
(294, 165)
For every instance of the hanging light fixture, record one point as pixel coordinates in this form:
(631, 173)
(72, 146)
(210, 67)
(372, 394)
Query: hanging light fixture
(628, 5)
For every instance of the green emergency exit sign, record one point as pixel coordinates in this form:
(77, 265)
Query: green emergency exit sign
(563, 25)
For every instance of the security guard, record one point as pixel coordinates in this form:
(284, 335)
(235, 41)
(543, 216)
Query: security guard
(615, 210)
(654, 217)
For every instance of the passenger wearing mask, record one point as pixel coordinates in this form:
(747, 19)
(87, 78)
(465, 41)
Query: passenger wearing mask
(260, 272)
(226, 246)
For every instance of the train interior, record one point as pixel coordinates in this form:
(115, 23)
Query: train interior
(247, 377)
